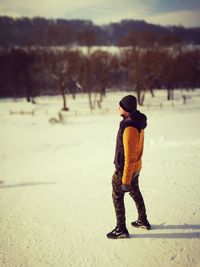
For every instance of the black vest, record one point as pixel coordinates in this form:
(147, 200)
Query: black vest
(119, 150)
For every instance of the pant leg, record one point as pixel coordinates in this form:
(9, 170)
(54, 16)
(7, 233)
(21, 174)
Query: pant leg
(138, 199)
(118, 200)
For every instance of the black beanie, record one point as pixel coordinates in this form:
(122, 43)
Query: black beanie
(129, 103)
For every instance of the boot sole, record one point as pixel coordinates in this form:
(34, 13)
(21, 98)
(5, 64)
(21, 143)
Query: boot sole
(119, 237)
(141, 226)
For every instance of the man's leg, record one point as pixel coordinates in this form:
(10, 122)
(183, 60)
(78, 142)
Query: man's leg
(120, 230)
(138, 199)
(118, 200)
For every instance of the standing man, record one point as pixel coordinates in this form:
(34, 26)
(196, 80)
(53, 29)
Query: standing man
(128, 163)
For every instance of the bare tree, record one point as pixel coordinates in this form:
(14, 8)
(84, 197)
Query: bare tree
(64, 68)
(21, 68)
(100, 73)
(88, 39)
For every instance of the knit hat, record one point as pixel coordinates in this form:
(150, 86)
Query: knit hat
(129, 103)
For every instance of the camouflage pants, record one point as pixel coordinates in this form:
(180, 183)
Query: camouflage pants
(118, 199)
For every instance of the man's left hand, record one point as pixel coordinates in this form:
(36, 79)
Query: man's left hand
(125, 187)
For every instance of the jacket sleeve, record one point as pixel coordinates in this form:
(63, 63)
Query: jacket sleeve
(130, 143)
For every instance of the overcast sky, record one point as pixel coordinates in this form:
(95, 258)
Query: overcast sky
(164, 12)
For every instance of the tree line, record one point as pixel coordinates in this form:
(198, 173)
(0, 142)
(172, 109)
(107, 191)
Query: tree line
(30, 72)
(60, 32)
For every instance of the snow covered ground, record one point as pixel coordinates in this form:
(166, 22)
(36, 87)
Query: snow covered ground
(55, 189)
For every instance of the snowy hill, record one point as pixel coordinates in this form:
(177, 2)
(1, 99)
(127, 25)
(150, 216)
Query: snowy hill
(55, 190)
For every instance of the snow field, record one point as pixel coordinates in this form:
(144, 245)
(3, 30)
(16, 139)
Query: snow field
(55, 191)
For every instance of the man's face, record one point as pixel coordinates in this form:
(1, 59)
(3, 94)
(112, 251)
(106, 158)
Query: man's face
(122, 112)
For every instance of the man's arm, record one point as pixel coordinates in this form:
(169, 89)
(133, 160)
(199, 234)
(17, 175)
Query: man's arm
(130, 142)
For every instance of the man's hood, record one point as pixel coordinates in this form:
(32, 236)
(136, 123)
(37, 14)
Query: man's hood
(139, 119)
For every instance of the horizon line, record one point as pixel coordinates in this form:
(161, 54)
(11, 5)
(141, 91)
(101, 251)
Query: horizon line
(100, 24)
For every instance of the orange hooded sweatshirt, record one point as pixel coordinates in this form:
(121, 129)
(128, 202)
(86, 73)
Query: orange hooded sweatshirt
(133, 142)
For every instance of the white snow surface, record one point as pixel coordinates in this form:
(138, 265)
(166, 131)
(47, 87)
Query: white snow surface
(55, 190)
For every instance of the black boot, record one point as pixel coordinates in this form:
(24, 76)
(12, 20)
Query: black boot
(142, 224)
(118, 233)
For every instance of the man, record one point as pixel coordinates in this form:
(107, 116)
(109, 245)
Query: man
(128, 163)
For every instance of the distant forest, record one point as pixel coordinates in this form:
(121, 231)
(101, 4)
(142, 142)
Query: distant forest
(60, 32)
(37, 57)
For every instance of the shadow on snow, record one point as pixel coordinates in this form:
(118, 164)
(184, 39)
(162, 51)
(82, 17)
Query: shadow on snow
(2, 186)
(182, 235)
